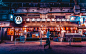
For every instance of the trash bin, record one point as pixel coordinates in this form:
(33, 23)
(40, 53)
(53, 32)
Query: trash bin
(22, 38)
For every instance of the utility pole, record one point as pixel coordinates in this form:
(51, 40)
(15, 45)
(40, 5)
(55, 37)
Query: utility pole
(1, 34)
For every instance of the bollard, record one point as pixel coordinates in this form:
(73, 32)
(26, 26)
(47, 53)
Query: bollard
(15, 42)
(70, 41)
(41, 41)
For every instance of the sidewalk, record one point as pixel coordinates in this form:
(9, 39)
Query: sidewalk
(38, 43)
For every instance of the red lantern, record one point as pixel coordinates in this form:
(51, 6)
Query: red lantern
(67, 28)
(63, 28)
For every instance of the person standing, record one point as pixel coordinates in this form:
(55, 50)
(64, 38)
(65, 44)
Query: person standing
(62, 34)
(48, 40)
(42, 33)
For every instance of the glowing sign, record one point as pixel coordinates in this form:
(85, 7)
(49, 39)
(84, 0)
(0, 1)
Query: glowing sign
(82, 20)
(18, 20)
(74, 18)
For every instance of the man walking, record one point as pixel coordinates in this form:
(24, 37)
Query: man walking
(48, 40)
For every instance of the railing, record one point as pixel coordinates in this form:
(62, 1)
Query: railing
(75, 37)
(42, 4)
(38, 4)
(40, 40)
(24, 40)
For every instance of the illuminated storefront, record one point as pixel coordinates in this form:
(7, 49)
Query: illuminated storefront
(34, 21)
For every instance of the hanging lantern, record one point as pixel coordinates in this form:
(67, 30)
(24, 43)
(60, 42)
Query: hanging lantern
(23, 29)
(67, 28)
(76, 28)
(63, 28)
(51, 28)
(83, 24)
(54, 29)
(36, 29)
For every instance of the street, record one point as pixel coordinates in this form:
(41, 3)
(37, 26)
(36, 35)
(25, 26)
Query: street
(39, 49)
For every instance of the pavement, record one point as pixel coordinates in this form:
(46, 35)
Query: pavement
(35, 48)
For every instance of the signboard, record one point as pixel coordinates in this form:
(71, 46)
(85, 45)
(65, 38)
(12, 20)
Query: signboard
(18, 20)
(60, 17)
(4, 17)
(10, 31)
(4, 24)
(34, 15)
(74, 18)
(76, 39)
(83, 20)
(50, 16)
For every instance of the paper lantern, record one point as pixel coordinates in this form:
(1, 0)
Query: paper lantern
(67, 28)
(83, 24)
(63, 28)
(76, 28)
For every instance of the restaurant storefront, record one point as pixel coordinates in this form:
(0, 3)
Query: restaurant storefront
(36, 27)
(33, 22)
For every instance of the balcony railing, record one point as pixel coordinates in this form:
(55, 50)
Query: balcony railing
(27, 4)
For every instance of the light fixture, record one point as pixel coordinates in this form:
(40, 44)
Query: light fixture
(38, 19)
(48, 19)
(11, 16)
(43, 19)
(25, 26)
(33, 19)
(53, 19)
(25, 31)
(27, 19)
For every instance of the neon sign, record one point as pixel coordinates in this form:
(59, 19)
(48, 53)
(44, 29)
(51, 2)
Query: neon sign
(18, 20)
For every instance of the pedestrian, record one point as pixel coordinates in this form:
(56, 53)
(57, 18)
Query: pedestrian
(48, 40)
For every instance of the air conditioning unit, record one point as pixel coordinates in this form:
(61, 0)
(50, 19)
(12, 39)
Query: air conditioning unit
(76, 9)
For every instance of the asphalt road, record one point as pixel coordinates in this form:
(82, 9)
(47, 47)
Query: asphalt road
(37, 49)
